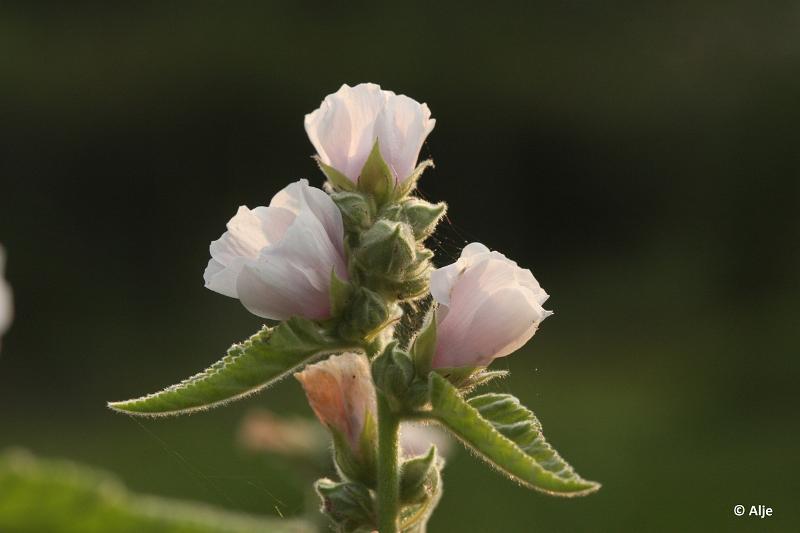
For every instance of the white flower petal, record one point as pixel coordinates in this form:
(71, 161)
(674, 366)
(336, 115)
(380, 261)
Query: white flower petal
(299, 197)
(492, 307)
(402, 127)
(345, 127)
(248, 233)
(278, 292)
(442, 279)
(278, 260)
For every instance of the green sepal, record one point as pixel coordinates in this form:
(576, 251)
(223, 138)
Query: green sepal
(393, 372)
(357, 465)
(461, 376)
(508, 437)
(423, 347)
(483, 376)
(340, 294)
(466, 378)
(263, 359)
(349, 505)
(337, 179)
(415, 474)
(414, 516)
(406, 186)
(376, 178)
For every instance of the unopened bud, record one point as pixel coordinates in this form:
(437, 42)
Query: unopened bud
(422, 216)
(355, 210)
(387, 249)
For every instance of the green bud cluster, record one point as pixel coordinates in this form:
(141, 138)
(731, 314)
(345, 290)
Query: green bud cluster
(388, 263)
(385, 230)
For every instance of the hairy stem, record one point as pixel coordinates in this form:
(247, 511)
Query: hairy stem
(388, 468)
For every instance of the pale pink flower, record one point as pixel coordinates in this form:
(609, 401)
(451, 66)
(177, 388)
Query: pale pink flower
(265, 431)
(341, 393)
(278, 260)
(416, 439)
(488, 308)
(344, 129)
(6, 304)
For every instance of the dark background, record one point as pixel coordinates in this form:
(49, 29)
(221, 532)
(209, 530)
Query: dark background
(642, 159)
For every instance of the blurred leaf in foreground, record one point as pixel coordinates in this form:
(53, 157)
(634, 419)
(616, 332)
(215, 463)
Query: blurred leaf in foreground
(46, 496)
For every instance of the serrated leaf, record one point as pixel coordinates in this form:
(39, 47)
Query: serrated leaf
(508, 437)
(258, 362)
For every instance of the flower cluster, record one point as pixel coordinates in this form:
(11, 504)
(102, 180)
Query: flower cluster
(375, 334)
(278, 260)
(349, 255)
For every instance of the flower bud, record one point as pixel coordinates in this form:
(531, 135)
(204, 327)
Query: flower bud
(419, 477)
(277, 260)
(363, 314)
(341, 394)
(422, 216)
(349, 505)
(387, 249)
(488, 308)
(393, 373)
(354, 208)
(347, 124)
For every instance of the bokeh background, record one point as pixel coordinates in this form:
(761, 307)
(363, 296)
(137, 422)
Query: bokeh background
(641, 158)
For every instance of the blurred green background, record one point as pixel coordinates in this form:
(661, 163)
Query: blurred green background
(641, 158)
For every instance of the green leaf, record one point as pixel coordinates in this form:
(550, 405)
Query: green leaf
(376, 177)
(62, 497)
(339, 180)
(258, 362)
(507, 436)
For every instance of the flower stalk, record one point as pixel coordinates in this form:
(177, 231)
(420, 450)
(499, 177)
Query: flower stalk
(388, 468)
